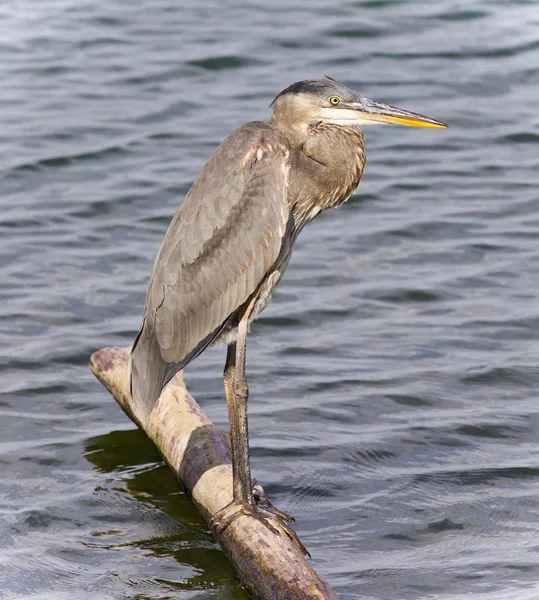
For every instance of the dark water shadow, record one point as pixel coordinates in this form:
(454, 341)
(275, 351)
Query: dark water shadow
(138, 469)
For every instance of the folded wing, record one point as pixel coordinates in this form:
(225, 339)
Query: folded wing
(222, 241)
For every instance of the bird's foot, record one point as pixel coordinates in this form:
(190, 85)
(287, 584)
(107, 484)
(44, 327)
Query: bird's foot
(259, 508)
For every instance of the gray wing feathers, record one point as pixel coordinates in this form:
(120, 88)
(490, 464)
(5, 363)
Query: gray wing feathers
(145, 373)
(224, 238)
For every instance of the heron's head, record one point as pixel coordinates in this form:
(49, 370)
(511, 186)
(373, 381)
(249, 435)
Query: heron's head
(325, 100)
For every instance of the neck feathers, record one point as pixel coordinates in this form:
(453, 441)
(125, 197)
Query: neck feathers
(329, 168)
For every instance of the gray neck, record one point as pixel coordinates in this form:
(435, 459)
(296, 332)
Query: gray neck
(326, 169)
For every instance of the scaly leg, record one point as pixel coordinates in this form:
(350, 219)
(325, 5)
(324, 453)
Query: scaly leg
(245, 501)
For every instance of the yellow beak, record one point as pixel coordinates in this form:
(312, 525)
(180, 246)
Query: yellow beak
(368, 110)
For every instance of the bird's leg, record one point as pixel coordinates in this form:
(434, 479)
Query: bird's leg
(237, 394)
(247, 499)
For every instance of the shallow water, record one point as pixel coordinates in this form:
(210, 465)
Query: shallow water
(394, 376)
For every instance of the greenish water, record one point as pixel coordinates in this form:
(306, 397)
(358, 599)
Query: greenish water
(394, 376)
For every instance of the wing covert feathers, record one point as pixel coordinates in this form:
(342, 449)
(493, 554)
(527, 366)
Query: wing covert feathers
(222, 241)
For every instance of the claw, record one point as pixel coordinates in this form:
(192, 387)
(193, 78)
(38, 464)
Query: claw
(260, 509)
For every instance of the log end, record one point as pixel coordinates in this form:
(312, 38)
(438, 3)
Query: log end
(108, 359)
(270, 565)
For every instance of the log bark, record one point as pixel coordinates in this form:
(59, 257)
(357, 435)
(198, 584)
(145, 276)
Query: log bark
(269, 565)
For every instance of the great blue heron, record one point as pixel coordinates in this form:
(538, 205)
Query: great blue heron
(231, 239)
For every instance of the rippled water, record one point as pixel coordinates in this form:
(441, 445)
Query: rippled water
(394, 376)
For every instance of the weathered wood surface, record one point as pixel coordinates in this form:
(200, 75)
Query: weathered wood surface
(269, 565)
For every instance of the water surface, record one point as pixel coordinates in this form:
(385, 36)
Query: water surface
(394, 376)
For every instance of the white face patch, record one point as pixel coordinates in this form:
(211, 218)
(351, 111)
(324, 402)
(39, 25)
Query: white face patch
(344, 116)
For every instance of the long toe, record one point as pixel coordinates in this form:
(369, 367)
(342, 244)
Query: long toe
(223, 517)
(262, 502)
(272, 514)
(229, 513)
(262, 511)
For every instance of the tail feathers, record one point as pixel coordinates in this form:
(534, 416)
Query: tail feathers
(147, 373)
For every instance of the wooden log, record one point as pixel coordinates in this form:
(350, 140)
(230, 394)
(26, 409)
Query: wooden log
(269, 565)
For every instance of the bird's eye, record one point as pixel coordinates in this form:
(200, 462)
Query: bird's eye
(334, 100)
